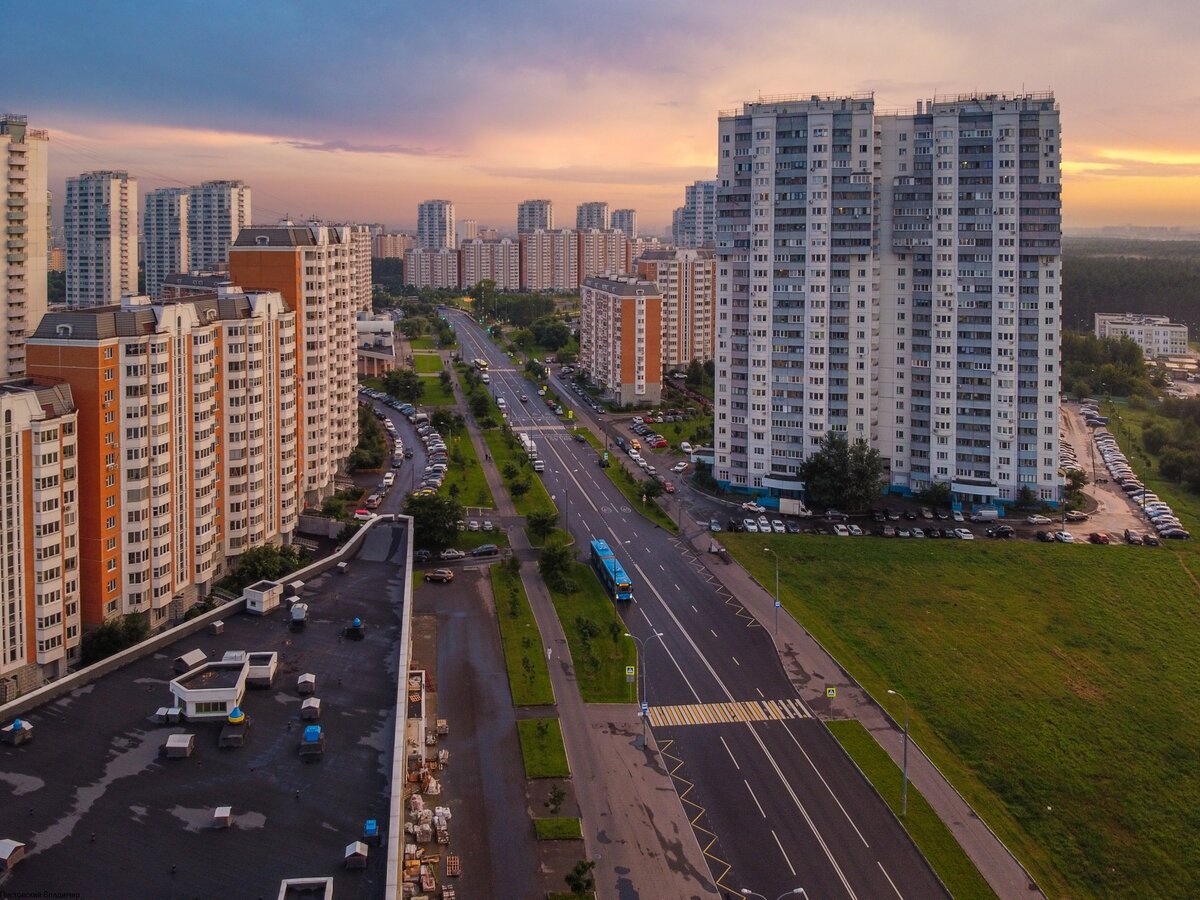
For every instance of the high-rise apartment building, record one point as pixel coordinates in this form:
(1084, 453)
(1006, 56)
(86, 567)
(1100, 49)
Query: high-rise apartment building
(601, 251)
(39, 527)
(687, 280)
(361, 285)
(432, 268)
(550, 260)
(635, 248)
(218, 210)
(186, 447)
(498, 261)
(692, 225)
(435, 225)
(310, 266)
(893, 278)
(468, 230)
(591, 215)
(165, 238)
(101, 225)
(24, 153)
(625, 220)
(535, 215)
(393, 245)
(620, 332)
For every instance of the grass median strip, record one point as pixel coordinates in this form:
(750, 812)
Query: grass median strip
(558, 828)
(427, 363)
(595, 634)
(632, 489)
(928, 832)
(1020, 661)
(542, 748)
(528, 677)
(524, 486)
(465, 481)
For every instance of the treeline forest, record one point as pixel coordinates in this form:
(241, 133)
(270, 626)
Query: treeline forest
(1114, 275)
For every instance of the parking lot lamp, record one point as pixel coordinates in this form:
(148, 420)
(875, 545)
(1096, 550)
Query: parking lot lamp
(904, 789)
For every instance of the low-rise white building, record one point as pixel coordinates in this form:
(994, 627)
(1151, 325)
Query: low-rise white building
(1156, 335)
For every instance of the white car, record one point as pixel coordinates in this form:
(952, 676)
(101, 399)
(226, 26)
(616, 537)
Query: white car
(841, 530)
(452, 554)
(777, 526)
(487, 525)
(685, 447)
(764, 524)
(1064, 537)
(964, 534)
(473, 525)
(957, 516)
(1038, 520)
(753, 507)
(679, 467)
(750, 525)
(855, 530)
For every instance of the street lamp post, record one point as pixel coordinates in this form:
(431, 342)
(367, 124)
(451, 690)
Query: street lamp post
(777, 603)
(904, 789)
(644, 707)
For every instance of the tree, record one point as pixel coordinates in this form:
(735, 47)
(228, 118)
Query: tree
(550, 332)
(651, 488)
(113, 637)
(518, 488)
(695, 374)
(481, 405)
(404, 384)
(435, 518)
(266, 562)
(447, 420)
(937, 494)
(1026, 498)
(554, 565)
(841, 474)
(1155, 437)
(444, 378)
(580, 879)
(541, 522)
(523, 338)
(414, 326)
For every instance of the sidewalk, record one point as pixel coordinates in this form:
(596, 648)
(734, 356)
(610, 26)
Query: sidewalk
(634, 826)
(811, 670)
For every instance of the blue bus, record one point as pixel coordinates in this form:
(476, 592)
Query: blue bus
(609, 571)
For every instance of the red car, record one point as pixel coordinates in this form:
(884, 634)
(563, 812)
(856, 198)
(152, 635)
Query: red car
(669, 487)
(1099, 537)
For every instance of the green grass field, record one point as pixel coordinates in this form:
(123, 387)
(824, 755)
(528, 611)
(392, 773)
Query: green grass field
(542, 748)
(528, 677)
(558, 828)
(600, 659)
(928, 832)
(434, 394)
(422, 343)
(427, 363)
(469, 540)
(468, 476)
(536, 497)
(1056, 686)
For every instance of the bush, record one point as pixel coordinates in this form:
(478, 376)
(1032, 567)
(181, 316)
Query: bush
(113, 637)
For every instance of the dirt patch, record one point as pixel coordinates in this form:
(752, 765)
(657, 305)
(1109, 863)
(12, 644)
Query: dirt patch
(1111, 510)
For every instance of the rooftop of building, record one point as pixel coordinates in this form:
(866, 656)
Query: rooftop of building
(673, 252)
(54, 399)
(1135, 319)
(211, 280)
(140, 316)
(102, 814)
(623, 285)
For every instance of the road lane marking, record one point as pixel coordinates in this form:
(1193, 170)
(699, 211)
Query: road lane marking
(756, 803)
(889, 878)
(738, 711)
(789, 862)
(735, 662)
(835, 797)
(731, 756)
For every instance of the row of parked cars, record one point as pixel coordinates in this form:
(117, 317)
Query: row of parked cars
(1159, 514)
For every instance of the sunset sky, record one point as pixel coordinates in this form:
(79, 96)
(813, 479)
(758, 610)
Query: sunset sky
(358, 110)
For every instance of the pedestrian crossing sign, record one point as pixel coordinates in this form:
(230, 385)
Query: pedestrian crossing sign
(830, 692)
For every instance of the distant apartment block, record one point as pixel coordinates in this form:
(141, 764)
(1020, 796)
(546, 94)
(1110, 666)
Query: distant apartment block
(310, 266)
(393, 245)
(361, 283)
(435, 225)
(625, 220)
(101, 225)
(620, 334)
(549, 260)
(432, 268)
(591, 215)
(217, 211)
(468, 230)
(1158, 336)
(693, 224)
(40, 530)
(58, 259)
(687, 280)
(24, 153)
(186, 446)
(498, 261)
(601, 251)
(535, 215)
(635, 248)
(165, 238)
(894, 278)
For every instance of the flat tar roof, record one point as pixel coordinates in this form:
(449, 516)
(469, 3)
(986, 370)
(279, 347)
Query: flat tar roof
(103, 815)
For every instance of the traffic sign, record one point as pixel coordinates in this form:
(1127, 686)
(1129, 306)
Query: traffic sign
(778, 604)
(629, 674)
(645, 709)
(605, 455)
(830, 692)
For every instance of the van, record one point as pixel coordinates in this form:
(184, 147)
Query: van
(985, 515)
(485, 378)
(539, 466)
(373, 501)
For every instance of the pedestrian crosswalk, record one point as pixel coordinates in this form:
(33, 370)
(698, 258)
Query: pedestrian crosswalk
(724, 713)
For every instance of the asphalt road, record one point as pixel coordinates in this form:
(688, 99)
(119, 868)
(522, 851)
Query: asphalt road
(776, 803)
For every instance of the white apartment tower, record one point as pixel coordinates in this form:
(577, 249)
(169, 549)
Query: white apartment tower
(535, 215)
(24, 153)
(687, 280)
(165, 239)
(625, 220)
(101, 225)
(896, 279)
(218, 210)
(591, 215)
(693, 224)
(468, 230)
(435, 225)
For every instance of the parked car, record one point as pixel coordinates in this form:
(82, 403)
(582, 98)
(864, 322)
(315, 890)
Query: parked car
(1064, 537)
(1150, 540)
(363, 515)
(442, 575)
(750, 525)
(1099, 537)
(778, 527)
(764, 524)
(964, 534)
(792, 527)
(1038, 520)
(926, 512)
(841, 530)
(1132, 537)
(473, 525)
(1046, 537)
(957, 516)
(714, 525)
(1076, 515)
(422, 556)
(487, 525)
(753, 507)
(451, 553)
(735, 526)
(1001, 531)
(833, 515)
(486, 550)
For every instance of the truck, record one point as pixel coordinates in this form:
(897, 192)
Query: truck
(985, 515)
(532, 450)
